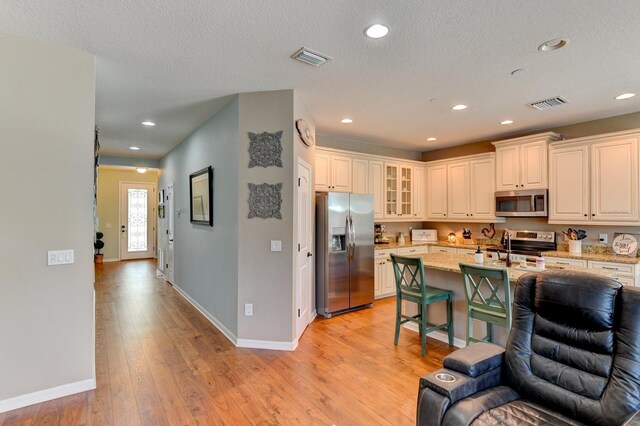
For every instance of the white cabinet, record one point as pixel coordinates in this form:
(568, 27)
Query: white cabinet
(595, 180)
(458, 190)
(413, 251)
(376, 187)
(419, 183)
(481, 188)
(436, 191)
(569, 184)
(522, 163)
(614, 180)
(398, 190)
(470, 253)
(462, 189)
(561, 261)
(626, 273)
(360, 176)
(440, 249)
(333, 172)
(384, 278)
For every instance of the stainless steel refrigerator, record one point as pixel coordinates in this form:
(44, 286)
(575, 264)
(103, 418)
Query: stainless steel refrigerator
(344, 248)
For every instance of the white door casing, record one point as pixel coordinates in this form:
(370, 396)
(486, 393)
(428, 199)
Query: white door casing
(170, 235)
(304, 258)
(137, 220)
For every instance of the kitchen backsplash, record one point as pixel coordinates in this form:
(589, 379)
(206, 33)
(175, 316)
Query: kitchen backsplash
(530, 224)
(391, 229)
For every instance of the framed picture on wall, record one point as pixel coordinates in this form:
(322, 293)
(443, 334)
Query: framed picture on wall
(201, 195)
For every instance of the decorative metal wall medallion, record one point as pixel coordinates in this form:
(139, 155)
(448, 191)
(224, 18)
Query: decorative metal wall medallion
(265, 149)
(265, 200)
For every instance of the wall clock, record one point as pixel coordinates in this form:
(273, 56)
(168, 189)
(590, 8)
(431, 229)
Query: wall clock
(625, 244)
(305, 132)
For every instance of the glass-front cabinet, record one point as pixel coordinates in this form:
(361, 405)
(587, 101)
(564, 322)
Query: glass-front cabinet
(398, 190)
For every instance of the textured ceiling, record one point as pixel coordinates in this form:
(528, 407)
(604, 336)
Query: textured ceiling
(172, 61)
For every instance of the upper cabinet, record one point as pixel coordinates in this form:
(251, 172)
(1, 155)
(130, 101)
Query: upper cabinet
(522, 163)
(398, 186)
(461, 189)
(399, 183)
(333, 172)
(595, 180)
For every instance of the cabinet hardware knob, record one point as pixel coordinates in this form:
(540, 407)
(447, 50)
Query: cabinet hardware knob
(593, 214)
(585, 215)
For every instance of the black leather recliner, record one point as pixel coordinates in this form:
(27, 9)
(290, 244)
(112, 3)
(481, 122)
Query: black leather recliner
(572, 358)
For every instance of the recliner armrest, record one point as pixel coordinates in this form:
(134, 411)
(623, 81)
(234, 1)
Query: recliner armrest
(476, 359)
(462, 385)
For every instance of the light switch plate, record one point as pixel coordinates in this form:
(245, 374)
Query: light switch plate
(276, 245)
(60, 257)
(248, 309)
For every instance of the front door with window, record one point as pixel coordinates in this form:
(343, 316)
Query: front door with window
(137, 220)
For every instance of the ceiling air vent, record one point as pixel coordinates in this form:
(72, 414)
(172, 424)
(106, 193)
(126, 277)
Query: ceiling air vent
(548, 103)
(310, 57)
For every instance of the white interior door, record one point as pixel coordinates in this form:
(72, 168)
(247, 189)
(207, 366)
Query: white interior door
(304, 258)
(137, 220)
(170, 214)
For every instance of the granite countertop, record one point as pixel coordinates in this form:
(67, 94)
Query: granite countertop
(594, 256)
(395, 245)
(449, 262)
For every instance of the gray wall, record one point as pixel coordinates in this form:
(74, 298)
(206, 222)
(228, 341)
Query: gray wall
(266, 278)
(206, 258)
(341, 142)
(47, 118)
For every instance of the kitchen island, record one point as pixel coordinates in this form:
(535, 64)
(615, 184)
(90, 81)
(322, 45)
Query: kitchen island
(442, 270)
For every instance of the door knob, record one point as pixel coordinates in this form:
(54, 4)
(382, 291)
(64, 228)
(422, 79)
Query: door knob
(309, 254)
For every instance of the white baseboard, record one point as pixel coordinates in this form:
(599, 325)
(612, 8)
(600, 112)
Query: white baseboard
(267, 344)
(46, 395)
(110, 260)
(160, 274)
(314, 315)
(240, 343)
(438, 335)
(213, 320)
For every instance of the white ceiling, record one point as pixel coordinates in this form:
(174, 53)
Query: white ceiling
(172, 61)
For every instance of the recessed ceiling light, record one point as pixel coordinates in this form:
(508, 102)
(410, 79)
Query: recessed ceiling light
(134, 148)
(459, 107)
(625, 96)
(148, 123)
(376, 31)
(555, 44)
(141, 169)
(507, 122)
(431, 139)
(346, 121)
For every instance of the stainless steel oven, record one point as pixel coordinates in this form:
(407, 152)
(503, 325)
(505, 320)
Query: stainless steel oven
(525, 203)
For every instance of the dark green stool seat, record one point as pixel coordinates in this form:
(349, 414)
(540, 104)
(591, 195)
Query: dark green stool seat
(488, 298)
(411, 286)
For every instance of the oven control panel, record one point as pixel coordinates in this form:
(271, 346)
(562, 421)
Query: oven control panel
(544, 236)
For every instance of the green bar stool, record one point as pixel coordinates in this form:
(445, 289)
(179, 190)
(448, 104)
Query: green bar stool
(488, 298)
(411, 286)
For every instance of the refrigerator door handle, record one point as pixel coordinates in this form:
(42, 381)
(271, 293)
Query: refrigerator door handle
(347, 236)
(352, 239)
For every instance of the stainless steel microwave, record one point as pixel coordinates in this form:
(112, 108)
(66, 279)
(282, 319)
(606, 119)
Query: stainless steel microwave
(525, 203)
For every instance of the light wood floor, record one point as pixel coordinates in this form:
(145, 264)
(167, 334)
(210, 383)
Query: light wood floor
(159, 361)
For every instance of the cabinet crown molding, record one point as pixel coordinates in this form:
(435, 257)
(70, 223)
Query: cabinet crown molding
(481, 156)
(363, 155)
(593, 138)
(549, 136)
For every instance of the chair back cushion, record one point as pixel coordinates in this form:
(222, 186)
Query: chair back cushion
(575, 345)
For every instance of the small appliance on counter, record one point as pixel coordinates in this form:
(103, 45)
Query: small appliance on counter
(424, 235)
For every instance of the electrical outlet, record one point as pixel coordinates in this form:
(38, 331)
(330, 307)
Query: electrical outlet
(248, 309)
(604, 238)
(276, 245)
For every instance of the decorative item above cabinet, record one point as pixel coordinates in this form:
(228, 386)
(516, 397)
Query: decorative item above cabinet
(521, 163)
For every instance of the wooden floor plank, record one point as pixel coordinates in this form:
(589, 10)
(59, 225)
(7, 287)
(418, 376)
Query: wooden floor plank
(159, 361)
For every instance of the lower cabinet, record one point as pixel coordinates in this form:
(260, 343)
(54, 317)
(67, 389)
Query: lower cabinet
(627, 274)
(385, 282)
(439, 249)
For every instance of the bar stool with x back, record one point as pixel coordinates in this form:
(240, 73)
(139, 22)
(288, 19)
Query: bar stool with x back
(488, 298)
(411, 286)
